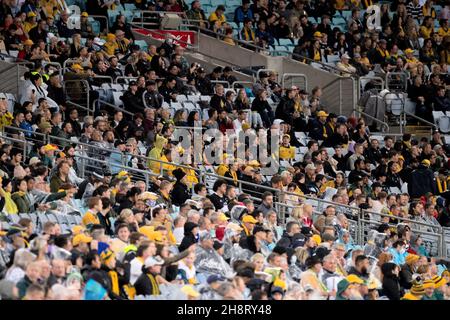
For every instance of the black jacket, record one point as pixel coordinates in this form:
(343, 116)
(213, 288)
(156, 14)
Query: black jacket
(422, 181)
(180, 193)
(391, 283)
(406, 276)
(132, 102)
(218, 202)
(249, 244)
(143, 285)
(188, 240)
(391, 288)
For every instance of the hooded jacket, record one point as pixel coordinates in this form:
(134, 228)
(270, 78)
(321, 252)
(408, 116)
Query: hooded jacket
(156, 153)
(189, 238)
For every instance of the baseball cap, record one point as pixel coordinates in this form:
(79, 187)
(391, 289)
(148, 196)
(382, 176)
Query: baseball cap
(153, 261)
(249, 219)
(345, 56)
(133, 83)
(215, 278)
(322, 114)
(81, 238)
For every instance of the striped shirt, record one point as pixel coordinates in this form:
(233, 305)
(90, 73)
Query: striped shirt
(414, 11)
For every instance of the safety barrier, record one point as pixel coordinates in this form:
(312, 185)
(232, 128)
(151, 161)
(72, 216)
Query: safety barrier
(302, 84)
(360, 221)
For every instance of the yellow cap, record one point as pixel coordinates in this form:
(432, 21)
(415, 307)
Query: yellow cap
(50, 147)
(28, 42)
(322, 114)
(439, 281)
(409, 50)
(31, 14)
(317, 239)
(81, 238)
(77, 230)
(110, 37)
(249, 219)
(84, 14)
(317, 34)
(77, 66)
(223, 217)
(353, 278)
(411, 258)
(426, 162)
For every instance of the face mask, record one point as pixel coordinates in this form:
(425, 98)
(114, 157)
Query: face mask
(402, 251)
(197, 237)
(212, 232)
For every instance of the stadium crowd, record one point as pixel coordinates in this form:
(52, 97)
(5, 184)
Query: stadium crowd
(175, 236)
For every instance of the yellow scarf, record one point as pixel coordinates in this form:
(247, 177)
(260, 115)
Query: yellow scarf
(246, 35)
(317, 55)
(114, 282)
(384, 53)
(10, 205)
(234, 175)
(439, 185)
(155, 286)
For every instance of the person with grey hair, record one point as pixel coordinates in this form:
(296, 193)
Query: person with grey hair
(22, 258)
(208, 261)
(193, 216)
(330, 277)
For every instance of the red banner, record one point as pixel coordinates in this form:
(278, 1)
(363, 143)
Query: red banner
(183, 38)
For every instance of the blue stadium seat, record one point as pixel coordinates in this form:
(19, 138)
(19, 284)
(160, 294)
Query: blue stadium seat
(130, 6)
(285, 42)
(142, 44)
(346, 14)
(112, 14)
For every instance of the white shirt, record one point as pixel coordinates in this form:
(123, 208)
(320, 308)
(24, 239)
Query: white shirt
(178, 233)
(135, 270)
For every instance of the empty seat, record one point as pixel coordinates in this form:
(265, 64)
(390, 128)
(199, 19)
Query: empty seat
(285, 42)
(193, 98)
(437, 115)
(190, 106)
(444, 124)
(181, 98)
(410, 106)
(116, 98)
(176, 105)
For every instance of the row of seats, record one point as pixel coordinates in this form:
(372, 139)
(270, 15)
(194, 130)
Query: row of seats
(39, 219)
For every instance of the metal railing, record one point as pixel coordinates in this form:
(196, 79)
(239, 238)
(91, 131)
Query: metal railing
(437, 241)
(77, 91)
(384, 124)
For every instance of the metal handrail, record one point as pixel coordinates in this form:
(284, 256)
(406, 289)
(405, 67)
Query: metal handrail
(101, 17)
(79, 106)
(103, 102)
(372, 118)
(124, 78)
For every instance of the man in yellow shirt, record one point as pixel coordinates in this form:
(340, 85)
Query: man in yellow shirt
(444, 30)
(287, 152)
(30, 22)
(110, 45)
(219, 15)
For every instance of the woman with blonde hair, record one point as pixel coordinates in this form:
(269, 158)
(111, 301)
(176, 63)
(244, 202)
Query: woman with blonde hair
(296, 214)
(258, 260)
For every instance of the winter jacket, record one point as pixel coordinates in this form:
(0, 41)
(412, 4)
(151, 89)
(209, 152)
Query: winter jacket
(391, 284)
(406, 276)
(421, 182)
(180, 193)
